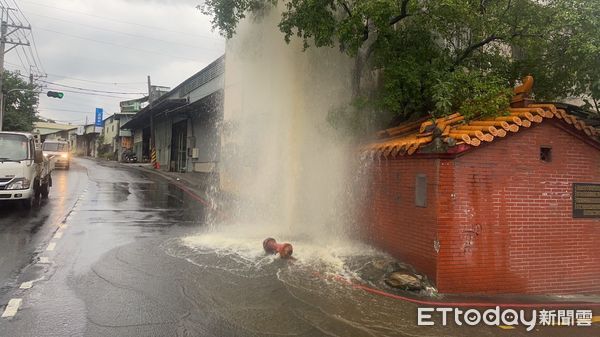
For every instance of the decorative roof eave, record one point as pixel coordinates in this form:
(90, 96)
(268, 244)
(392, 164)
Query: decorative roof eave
(452, 134)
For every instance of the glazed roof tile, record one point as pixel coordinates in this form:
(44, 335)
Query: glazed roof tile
(453, 130)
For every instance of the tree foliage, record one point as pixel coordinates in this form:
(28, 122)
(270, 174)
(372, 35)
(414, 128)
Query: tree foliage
(441, 56)
(20, 106)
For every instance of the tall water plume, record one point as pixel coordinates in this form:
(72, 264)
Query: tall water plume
(279, 154)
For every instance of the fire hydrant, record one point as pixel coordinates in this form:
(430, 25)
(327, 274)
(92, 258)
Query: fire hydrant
(271, 246)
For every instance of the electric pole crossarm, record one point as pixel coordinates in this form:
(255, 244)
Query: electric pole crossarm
(5, 24)
(15, 45)
(16, 42)
(16, 28)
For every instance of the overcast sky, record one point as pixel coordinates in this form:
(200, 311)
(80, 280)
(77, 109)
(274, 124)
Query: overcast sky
(112, 45)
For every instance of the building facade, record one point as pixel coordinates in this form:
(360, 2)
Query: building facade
(114, 139)
(503, 205)
(183, 123)
(88, 140)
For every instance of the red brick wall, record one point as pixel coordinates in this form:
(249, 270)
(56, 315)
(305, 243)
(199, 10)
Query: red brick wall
(397, 226)
(505, 217)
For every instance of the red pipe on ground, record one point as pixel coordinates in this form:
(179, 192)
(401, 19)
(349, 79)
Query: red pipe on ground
(271, 246)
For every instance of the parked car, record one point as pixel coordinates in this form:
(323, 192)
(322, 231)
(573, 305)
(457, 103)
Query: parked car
(24, 172)
(59, 152)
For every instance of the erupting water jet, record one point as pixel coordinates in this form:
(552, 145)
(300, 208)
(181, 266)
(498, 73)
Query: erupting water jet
(271, 246)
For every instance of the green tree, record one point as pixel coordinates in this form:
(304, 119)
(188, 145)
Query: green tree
(441, 56)
(20, 106)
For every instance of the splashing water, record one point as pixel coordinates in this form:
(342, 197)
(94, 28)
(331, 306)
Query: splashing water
(280, 155)
(291, 172)
(301, 297)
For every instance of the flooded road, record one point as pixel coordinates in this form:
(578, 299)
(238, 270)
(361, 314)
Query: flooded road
(135, 257)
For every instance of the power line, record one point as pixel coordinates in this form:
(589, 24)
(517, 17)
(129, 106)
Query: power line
(5, 23)
(119, 32)
(27, 58)
(116, 44)
(65, 110)
(33, 63)
(87, 93)
(38, 62)
(36, 52)
(118, 21)
(92, 81)
(20, 60)
(60, 120)
(93, 90)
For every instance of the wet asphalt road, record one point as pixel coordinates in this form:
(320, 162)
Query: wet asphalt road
(106, 258)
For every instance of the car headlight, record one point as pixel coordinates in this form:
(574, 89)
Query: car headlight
(65, 155)
(46, 155)
(19, 184)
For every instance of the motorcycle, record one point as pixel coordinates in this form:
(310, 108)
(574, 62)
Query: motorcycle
(129, 156)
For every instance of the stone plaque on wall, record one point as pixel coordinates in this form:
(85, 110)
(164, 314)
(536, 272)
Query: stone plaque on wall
(586, 200)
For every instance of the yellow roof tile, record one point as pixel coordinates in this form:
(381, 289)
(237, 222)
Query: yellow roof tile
(453, 130)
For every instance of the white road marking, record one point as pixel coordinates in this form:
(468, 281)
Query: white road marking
(58, 235)
(26, 285)
(12, 307)
(51, 246)
(44, 260)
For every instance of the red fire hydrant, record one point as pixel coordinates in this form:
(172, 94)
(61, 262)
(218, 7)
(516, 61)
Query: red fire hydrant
(271, 246)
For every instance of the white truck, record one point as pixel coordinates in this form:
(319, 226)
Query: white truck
(25, 174)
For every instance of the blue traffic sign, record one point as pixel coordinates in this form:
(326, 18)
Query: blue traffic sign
(99, 112)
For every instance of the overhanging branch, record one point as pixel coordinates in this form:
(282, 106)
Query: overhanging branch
(491, 38)
(403, 13)
(346, 8)
(470, 49)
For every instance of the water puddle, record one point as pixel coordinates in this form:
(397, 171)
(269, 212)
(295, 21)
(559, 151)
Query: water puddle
(310, 293)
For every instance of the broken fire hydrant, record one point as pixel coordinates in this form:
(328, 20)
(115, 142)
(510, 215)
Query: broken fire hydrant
(271, 246)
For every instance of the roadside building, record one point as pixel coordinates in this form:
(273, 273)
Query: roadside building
(53, 130)
(69, 136)
(496, 205)
(87, 140)
(182, 123)
(114, 139)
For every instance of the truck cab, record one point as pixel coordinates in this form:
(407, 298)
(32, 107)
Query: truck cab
(59, 152)
(24, 172)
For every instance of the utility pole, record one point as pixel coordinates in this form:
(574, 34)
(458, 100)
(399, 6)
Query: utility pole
(4, 34)
(151, 118)
(153, 155)
(149, 90)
